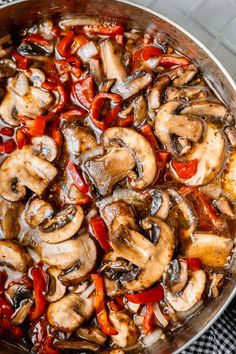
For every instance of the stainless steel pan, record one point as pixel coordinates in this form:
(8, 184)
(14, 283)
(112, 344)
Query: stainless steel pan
(20, 14)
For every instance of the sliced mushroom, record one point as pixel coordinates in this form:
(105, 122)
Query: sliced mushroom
(7, 68)
(45, 147)
(56, 290)
(21, 313)
(37, 212)
(22, 168)
(111, 54)
(224, 207)
(133, 84)
(191, 295)
(92, 334)
(76, 345)
(189, 71)
(155, 94)
(214, 251)
(29, 100)
(9, 221)
(127, 331)
(207, 109)
(160, 204)
(76, 257)
(140, 111)
(87, 257)
(142, 150)
(69, 313)
(62, 226)
(132, 246)
(96, 70)
(229, 176)
(210, 154)
(78, 139)
(175, 277)
(167, 123)
(8, 111)
(33, 50)
(153, 256)
(14, 256)
(231, 135)
(105, 171)
(187, 93)
(188, 212)
(118, 213)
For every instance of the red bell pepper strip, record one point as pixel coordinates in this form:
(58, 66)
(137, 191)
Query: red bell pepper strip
(186, 169)
(47, 346)
(5, 308)
(147, 132)
(162, 158)
(21, 138)
(113, 306)
(21, 61)
(100, 307)
(111, 31)
(76, 177)
(73, 60)
(7, 147)
(3, 278)
(83, 91)
(149, 319)
(78, 41)
(96, 107)
(167, 61)
(55, 132)
(136, 59)
(37, 126)
(6, 131)
(124, 122)
(100, 232)
(59, 87)
(63, 46)
(39, 293)
(193, 263)
(150, 51)
(37, 39)
(146, 296)
(55, 30)
(73, 114)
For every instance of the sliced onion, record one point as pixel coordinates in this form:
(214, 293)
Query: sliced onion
(132, 306)
(89, 154)
(79, 288)
(187, 314)
(88, 292)
(87, 51)
(152, 338)
(105, 201)
(79, 21)
(152, 63)
(159, 315)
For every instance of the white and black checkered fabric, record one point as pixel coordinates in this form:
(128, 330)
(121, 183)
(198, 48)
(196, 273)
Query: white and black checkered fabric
(220, 338)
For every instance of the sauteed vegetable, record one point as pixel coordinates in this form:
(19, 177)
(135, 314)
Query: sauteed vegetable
(117, 188)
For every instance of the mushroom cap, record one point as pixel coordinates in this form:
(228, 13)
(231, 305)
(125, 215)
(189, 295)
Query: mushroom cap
(69, 313)
(214, 251)
(56, 290)
(191, 295)
(210, 154)
(87, 257)
(157, 256)
(10, 217)
(142, 150)
(37, 212)
(8, 111)
(127, 331)
(22, 168)
(62, 226)
(167, 123)
(45, 147)
(14, 256)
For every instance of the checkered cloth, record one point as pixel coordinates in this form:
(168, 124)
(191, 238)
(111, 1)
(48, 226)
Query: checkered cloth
(221, 337)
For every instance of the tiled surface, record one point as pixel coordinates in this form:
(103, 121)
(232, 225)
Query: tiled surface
(213, 22)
